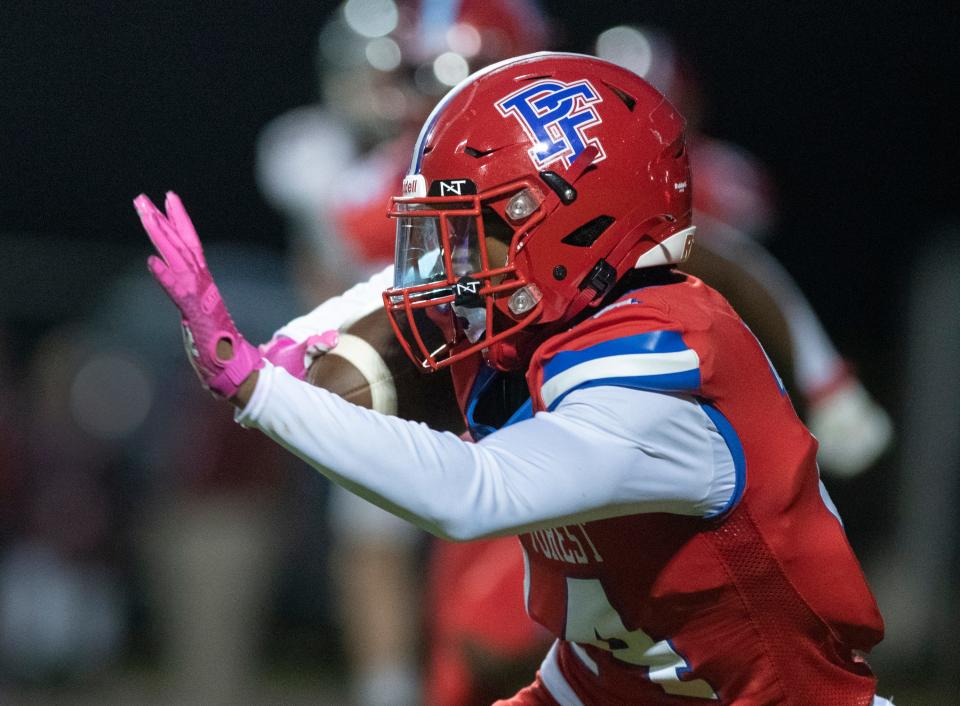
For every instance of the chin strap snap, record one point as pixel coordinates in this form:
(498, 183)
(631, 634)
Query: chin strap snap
(561, 184)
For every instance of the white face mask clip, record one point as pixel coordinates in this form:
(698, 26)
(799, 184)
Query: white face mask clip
(522, 205)
(524, 299)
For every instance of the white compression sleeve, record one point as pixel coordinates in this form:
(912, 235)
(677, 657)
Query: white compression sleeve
(341, 311)
(603, 452)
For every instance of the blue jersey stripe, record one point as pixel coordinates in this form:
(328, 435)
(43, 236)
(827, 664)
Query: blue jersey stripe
(485, 376)
(651, 342)
(732, 440)
(524, 411)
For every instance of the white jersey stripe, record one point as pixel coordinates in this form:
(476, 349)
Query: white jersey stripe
(828, 501)
(526, 580)
(585, 658)
(618, 366)
(554, 680)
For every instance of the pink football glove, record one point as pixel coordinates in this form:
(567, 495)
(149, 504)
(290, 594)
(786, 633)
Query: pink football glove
(182, 271)
(295, 357)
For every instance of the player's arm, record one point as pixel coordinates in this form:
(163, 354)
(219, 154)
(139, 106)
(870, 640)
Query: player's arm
(299, 343)
(603, 452)
(529, 475)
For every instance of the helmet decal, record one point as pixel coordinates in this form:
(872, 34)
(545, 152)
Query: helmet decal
(452, 187)
(556, 116)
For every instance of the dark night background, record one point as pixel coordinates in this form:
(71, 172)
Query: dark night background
(852, 106)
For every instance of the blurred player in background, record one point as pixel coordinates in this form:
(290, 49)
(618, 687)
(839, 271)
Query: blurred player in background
(657, 473)
(734, 210)
(330, 169)
(382, 65)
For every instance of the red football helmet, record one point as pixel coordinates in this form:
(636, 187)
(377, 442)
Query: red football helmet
(535, 185)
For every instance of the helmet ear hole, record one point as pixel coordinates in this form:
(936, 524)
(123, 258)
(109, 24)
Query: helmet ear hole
(587, 234)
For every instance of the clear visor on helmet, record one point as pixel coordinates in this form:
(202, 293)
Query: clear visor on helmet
(421, 254)
(453, 269)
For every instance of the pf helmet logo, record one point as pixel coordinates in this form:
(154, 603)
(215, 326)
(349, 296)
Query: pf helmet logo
(556, 116)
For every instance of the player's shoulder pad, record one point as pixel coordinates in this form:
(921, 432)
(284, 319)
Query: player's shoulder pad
(631, 343)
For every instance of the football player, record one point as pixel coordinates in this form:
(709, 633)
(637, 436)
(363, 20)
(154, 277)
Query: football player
(631, 431)
(732, 205)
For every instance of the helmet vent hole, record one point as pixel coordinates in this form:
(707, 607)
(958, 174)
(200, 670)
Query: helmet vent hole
(477, 154)
(533, 77)
(624, 97)
(587, 234)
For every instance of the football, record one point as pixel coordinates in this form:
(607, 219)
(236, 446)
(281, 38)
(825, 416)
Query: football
(369, 367)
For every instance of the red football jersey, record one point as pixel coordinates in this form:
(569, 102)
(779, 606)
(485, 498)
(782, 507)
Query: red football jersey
(764, 603)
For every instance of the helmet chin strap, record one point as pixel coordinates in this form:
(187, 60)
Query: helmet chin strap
(567, 179)
(587, 294)
(513, 353)
(613, 261)
(580, 164)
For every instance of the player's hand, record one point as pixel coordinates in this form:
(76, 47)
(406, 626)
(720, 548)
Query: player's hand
(221, 356)
(853, 430)
(296, 358)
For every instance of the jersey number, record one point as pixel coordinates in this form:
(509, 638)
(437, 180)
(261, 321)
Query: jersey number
(592, 620)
